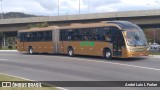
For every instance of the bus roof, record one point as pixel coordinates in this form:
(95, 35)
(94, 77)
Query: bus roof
(39, 29)
(119, 24)
(88, 25)
(123, 24)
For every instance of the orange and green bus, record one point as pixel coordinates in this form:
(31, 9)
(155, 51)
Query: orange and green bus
(109, 39)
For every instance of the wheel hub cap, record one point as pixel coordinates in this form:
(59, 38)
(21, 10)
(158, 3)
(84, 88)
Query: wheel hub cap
(108, 54)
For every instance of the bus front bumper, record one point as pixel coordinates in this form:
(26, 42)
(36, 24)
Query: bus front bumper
(137, 54)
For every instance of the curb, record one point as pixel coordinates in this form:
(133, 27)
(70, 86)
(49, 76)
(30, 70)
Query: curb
(8, 51)
(154, 56)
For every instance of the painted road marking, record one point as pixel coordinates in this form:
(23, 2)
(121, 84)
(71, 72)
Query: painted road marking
(3, 59)
(9, 54)
(8, 51)
(153, 57)
(128, 65)
(30, 80)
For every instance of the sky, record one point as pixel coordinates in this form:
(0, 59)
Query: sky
(70, 7)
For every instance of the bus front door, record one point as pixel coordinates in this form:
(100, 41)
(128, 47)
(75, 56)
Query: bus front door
(117, 43)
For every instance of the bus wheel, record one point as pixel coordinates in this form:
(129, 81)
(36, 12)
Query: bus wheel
(30, 50)
(108, 54)
(70, 52)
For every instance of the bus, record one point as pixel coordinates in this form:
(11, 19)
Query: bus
(108, 39)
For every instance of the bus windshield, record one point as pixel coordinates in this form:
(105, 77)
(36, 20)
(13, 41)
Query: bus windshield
(135, 37)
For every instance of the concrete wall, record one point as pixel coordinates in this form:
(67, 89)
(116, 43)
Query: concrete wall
(143, 18)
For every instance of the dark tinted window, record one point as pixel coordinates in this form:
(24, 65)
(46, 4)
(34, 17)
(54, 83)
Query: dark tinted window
(85, 34)
(48, 36)
(35, 36)
(22, 37)
(63, 35)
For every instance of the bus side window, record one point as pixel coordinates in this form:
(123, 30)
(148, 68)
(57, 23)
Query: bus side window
(22, 37)
(77, 31)
(86, 38)
(48, 35)
(29, 37)
(69, 37)
(107, 33)
(104, 34)
(70, 34)
(78, 36)
(63, 35)
(35, 36)
(107, 37)
(41, 36)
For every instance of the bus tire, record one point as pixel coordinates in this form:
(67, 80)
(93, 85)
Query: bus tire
(30, 50)
(70, 52)
(108, 54)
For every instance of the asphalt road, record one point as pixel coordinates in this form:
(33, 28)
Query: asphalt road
(81, 68)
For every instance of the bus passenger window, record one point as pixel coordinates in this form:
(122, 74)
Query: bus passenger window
(29, 37)
(94, 38)
(69, 37)
(107, 37)
(100, 37)
(86, 38)
(48, 36)
(34, 38)
(41, 36)
(22, 37)
(70, 34)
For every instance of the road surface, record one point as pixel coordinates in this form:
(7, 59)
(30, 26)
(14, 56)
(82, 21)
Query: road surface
(80, 68)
